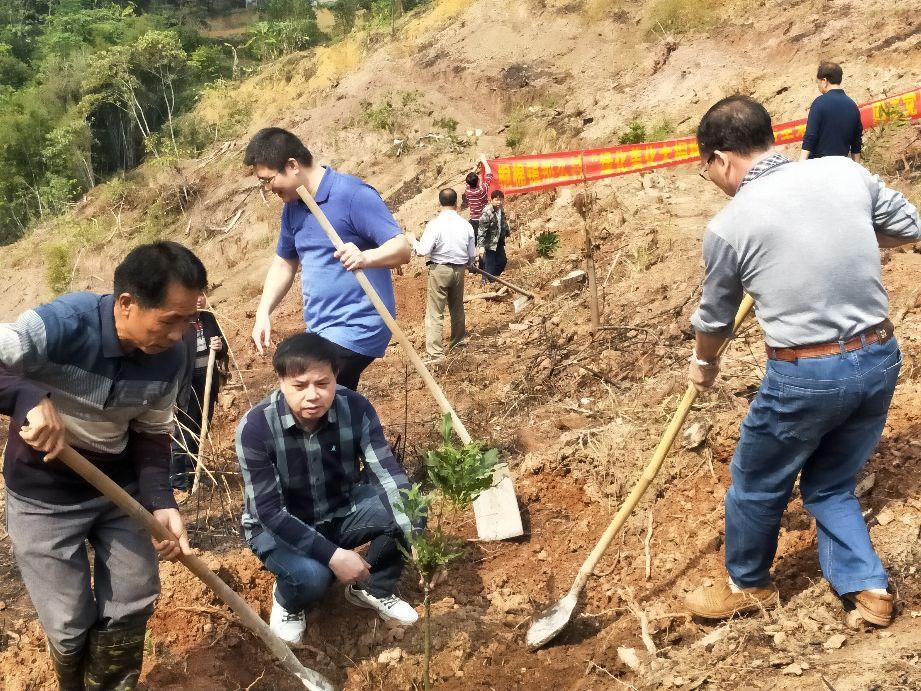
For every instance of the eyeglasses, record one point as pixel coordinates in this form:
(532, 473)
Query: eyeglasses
(705, 173)
(264, 183)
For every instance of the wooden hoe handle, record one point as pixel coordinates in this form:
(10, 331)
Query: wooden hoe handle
(311, 679)
(652, 469)
(381, 308)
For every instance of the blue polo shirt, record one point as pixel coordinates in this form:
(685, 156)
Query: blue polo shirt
(335, 306)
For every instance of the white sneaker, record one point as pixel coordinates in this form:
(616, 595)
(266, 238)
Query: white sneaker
(288, 626)
(390, 608)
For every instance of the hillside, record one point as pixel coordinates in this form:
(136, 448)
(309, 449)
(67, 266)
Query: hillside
(575, 417)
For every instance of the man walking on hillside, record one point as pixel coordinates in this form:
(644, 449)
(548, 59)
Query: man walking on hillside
(494, 229)
(335, 305)
(814, 271)
(833, 127)
(447, 242)
(98, 372)
(477, 194)
(320, 479)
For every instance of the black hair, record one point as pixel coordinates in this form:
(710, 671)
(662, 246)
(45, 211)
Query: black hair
(831, 71)
(497, 194)
(447, 197)
(297, 354)
(272, 147)
(735, 123)
(148, 271)
(473, 180)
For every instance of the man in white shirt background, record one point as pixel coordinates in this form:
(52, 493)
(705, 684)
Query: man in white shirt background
(448, 245)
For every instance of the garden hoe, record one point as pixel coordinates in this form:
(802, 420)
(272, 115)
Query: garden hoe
(555, 619)
(511, 286)
(496, 509)
(310, 679)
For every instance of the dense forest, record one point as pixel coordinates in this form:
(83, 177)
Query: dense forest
(91, 88)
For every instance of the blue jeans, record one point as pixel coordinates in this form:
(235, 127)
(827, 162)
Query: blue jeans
(302, 580)
(819, 418)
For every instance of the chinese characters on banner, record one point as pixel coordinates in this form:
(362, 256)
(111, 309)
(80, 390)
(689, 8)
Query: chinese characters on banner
(519, 174)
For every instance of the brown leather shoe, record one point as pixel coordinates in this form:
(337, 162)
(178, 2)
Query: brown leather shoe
(875, 608)
(719, 602)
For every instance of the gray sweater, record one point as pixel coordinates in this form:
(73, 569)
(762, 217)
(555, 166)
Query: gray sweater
(800, 240)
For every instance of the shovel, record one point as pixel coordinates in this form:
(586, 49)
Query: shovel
(310, 679)
(496, 509)
(555, 619)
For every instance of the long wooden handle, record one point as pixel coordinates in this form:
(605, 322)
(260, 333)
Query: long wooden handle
(311, 679)
(205, 415)
(649, 474)
(498, 280)
(381, 308)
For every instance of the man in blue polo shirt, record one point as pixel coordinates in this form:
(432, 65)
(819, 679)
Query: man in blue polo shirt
(335, 305)
(99, 372)
(833, 127)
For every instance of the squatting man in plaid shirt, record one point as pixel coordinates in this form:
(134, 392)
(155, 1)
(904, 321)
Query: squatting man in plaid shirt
(320, 479)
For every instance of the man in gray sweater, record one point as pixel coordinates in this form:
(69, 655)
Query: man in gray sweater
(803, 240)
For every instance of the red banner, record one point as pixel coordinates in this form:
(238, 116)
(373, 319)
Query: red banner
(519, 174)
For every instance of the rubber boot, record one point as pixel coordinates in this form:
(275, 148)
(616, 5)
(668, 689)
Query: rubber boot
(68, 668)
(113, 659)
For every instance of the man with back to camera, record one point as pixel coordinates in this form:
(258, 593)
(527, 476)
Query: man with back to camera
(98, 372)
(833, 127)
(814, 272)
(319, 480)
(335, 306)
(447, 243)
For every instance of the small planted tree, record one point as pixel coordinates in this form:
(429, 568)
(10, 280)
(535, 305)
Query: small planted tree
(458, 474)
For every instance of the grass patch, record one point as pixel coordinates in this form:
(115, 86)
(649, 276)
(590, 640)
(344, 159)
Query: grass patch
(447, 124)
(638, 132)
(641, 256)
(548, 242)
(57, 268)
(381, 116)
(514, 136)
(392, 114)
(682, 16)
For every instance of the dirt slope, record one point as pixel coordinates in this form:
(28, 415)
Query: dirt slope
(575, 417)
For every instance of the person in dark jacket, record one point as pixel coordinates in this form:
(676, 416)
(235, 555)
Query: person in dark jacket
(204, 336)
(494, 229)
(834, 127)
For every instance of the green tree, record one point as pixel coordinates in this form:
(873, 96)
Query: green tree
(160, 54)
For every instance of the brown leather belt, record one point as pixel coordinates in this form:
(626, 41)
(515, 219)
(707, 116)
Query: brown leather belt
(880, 333)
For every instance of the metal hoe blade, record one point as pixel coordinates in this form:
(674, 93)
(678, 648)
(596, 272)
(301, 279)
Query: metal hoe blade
(551, 622)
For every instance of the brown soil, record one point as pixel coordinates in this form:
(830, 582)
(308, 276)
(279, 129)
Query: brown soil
(575, 438)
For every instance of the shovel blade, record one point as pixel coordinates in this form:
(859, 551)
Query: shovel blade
(551, 622)
(520, 303)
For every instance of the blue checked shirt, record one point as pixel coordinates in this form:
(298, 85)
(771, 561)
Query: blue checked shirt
(294, 479)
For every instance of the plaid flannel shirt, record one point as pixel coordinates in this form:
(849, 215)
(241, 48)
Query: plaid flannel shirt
(295, 479)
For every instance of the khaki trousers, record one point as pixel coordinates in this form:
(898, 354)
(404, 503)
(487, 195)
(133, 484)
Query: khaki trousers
(446, 288)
